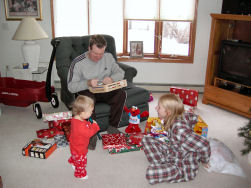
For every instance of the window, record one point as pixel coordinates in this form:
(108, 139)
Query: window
(166, 27)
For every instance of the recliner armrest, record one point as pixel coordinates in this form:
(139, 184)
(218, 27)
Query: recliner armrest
(130, 72)
(66, 96)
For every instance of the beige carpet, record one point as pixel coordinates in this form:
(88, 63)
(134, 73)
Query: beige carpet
(18, 126)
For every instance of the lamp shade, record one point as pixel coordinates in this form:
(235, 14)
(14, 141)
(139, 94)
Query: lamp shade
(29, 29)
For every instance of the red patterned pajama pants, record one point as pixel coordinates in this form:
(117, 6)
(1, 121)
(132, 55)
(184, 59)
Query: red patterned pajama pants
(79, 162)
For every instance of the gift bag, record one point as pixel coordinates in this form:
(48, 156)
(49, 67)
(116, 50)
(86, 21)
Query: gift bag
(223, 160)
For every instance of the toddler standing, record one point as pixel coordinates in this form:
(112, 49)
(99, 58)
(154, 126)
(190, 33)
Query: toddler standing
(82, 129)
(179, 159)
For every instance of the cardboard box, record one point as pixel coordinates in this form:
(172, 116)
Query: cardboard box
(39, 148)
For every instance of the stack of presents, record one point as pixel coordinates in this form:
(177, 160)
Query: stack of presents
(57, 135)
(48, 140)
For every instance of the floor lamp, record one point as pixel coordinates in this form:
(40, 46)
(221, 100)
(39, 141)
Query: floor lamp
(29, 31)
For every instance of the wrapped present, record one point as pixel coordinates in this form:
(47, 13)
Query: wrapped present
(61, 141)
(55, 120)
(66, 127)
(58, 124)
(57, 116)
(39, 148)
(121, 143)
(201, 128)
(135, 138)
(188, 96)
(113, 141)
(49, 133)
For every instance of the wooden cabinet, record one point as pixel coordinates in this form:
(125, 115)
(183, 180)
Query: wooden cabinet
(226, 27)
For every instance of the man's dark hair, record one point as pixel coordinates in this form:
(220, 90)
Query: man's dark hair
(98, 40)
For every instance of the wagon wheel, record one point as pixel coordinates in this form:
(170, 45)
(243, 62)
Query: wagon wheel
(38, 110)
(54, 100)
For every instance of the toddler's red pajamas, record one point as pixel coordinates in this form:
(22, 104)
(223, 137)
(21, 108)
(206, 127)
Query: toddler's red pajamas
(79, 162)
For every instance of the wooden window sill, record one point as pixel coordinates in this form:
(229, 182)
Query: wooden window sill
(157, 60)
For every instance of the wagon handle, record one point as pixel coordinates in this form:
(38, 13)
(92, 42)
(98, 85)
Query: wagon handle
(55, 44)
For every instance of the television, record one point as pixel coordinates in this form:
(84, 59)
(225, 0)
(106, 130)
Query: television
(235, 62)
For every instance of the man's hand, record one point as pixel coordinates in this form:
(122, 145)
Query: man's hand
(92, 83)
(108, 80)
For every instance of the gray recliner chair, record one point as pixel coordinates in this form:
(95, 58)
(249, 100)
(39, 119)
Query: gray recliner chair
(65, 49)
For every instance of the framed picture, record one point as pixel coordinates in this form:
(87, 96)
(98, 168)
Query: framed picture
(136, 49)
(18, 9)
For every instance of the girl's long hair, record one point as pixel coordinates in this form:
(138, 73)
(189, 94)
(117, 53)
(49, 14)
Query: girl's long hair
(174, 105)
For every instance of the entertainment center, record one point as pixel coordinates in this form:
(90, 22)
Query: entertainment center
(231, 93)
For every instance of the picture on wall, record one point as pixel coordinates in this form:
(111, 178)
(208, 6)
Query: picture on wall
(18, 9)
(136, 49)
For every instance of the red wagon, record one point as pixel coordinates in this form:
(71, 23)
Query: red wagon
(22, 93)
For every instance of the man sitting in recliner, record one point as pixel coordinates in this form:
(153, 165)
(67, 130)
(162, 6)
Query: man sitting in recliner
(89, 69)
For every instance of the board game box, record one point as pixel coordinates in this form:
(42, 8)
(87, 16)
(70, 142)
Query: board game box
(108, 87)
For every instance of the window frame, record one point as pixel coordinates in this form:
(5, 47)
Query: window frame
(125, 56)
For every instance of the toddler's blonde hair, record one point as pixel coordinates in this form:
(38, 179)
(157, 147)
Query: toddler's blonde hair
(82, 104)
(174, 105)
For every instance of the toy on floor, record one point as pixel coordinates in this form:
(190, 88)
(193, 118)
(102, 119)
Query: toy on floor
(154, 127)
(201, 128)
(151, 121)
(134, 119)
(39, 148)
(150, 98)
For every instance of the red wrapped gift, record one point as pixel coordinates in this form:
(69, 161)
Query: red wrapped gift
(49, 133)
(57, 119)
(58, 123)
(66, 127)
(114, 141)
(121, 143)
(188, 96)
(135, 138)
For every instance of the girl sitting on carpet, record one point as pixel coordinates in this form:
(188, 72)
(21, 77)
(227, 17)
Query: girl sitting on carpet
(179, 159)
(81, 132)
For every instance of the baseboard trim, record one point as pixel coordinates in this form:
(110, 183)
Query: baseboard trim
(162, 88)
(57, 84)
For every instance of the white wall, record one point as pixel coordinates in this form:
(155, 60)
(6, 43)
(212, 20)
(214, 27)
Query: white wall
(10, 50)
(160, 73)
